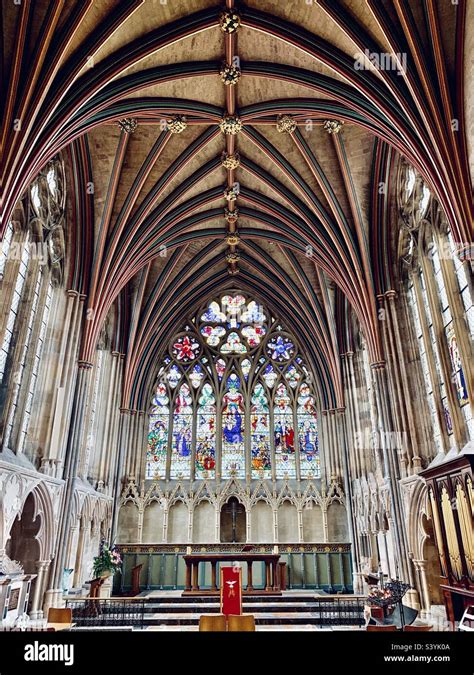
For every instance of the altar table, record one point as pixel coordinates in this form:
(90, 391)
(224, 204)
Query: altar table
(272, 581)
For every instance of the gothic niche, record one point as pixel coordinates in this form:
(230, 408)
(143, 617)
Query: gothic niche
(233, 522)
(47, 201)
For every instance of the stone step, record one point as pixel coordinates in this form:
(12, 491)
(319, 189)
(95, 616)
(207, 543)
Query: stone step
(215, 608)
(261, 618)
(150, 597)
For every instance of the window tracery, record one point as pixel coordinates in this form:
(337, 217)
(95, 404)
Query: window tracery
(233, 398)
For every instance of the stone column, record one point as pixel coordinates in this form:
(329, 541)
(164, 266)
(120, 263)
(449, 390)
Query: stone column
(104, 455)
(166, 511)
(141, 512)
(275, 526)
(342, 429)
(190, 523)
(391, 471)
(54, 594)
(217, 524)
(393, 385)
(118, 474)
(324, 511)
(425, 594)
(406, 395)
(248, 513)
(300, 525)
(325, 443)
(42, 567)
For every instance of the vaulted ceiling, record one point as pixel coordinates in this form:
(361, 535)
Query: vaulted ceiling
(306, 143)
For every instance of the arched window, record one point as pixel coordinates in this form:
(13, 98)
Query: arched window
(429, 256)
(233, 398)
(158, 434)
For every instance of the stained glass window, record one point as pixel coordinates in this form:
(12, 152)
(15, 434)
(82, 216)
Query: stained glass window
(233, 399)
(182, 434)
(158, 434)
(206, 434)
(233, 427)
(284, 434)
(260, 434)
(307, 433)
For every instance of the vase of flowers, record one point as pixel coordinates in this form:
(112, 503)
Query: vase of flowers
(107, 563)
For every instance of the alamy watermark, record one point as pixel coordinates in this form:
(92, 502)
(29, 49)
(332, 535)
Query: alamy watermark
(368, 439)
(367, 60)
(37, 651)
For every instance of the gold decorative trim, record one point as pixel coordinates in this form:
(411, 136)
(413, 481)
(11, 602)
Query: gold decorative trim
(439, 534)
(465, 522)
(451, 536)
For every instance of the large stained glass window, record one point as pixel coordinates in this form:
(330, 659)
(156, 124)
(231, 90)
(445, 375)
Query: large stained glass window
(182, 434)
(233, 427)
(260, 434)
(158, 434)
(307, 433)
(233, 398)
(206, 434)
(284, 434)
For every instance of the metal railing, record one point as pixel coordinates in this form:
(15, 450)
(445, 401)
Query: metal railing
(343, 611)
(103, 612)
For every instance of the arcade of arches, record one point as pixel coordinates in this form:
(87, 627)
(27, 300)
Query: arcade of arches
(236, 287)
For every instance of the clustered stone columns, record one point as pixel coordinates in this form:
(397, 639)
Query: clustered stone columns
(392, 475)
(54, 594)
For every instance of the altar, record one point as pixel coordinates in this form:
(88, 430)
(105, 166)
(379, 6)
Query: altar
(270, 560)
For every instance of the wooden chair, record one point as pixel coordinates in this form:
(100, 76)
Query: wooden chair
(382, 628)
(241, 622)
(212, 622)
(60, 615)
(419, 627)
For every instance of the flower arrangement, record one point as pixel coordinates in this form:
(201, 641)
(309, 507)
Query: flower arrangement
(108, 561)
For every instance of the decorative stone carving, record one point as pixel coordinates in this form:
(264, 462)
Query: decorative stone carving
(230, 74)
(333, 126)
(232, 258)
(232, 239)
(230, 161)
(47, 204)
(286, 124)
(231, 216)
(10, 567)
(231, 125)
(229, 20)
(231, 193)
(128, 125)
(177, 124)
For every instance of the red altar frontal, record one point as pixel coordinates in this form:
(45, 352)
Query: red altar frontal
(231, 590)
(272, 575)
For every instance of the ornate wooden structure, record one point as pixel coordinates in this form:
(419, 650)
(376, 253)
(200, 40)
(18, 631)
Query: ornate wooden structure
(272, 586)
(452, 504)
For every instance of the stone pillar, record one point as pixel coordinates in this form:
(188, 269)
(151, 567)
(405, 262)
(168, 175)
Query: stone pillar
(420, 566)
(275, 526)
(391, 471)
(406, 395)
(104, 455)
(190, 523)
(118, 474)
(324, 511)
(300, 525)
(42, 567)
(166, 511)
(141, 512)
(325, 447)
(248, 513)
(342, 429)
(54, 594)
(217, 524)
